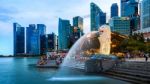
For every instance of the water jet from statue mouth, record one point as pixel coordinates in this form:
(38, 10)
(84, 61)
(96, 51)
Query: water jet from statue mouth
(95, 44)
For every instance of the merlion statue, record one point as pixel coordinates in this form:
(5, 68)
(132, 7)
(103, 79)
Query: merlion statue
(105, 39)
(91, 49)
(97, 41)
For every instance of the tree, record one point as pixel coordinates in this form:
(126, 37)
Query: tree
(133, 44)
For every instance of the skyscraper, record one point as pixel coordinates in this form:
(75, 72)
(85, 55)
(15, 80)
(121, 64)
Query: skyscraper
(19, 39)
(145, 14)
(129, 8)
(36, 39)
(123, 4)
(97, 16)
(43, 44)
(78, 22)
(42, 38)
(35, 43)
(76, 34)
(41, 28)
(114, 10)
(51, 38)
(29, 34)
(63, 34)
(120, 25)
(145, 18)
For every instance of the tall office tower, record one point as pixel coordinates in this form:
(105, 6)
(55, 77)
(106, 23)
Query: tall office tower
(36, 39)
(35, 43)
(78, 22)
(42, 38)
(19, 39)
(97, 16)
(29, 33)
(120, 25)
(41, 28)
(51, 42)
(114, 10)
(76, 34)
(123, 4)
(64, 30)
(43, 44)
(129, 8)
(145, 18)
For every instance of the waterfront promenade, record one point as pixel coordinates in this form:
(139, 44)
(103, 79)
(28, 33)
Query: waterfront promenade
(134, 70)
(137, 59)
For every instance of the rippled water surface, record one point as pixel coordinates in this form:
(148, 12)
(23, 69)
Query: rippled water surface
(22, 71)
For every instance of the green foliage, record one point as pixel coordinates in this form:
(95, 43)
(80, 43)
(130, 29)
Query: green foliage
(133, 44)
(137, 36)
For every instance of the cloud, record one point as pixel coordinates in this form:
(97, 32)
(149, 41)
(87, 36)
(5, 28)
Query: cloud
(6, 13)
(7, 10)
(5, 18)
(45, 12)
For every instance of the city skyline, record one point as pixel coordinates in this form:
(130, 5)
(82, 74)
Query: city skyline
(47, 13)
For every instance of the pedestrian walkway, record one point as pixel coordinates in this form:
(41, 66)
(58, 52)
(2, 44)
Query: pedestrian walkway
(137, 59)
(135, 70)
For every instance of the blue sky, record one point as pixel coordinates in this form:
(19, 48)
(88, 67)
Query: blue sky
(43, 11)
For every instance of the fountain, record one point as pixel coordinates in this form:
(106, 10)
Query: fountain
(91, 52)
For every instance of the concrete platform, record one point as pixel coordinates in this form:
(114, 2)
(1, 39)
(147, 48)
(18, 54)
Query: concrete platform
(136, 71)
(137, 59)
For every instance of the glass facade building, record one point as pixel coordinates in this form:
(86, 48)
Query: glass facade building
(120, 25)
(29, 34)
(145, 19)
(145, 14)
(123, 9)
(51, 38)
(97, 16)
(35, 39)
(78, 22)
(19, 39)
(114, 10)
(43, 44)
(41, 28)
(64, 29)
(129, 8)
(75, 35)
(35, 45)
